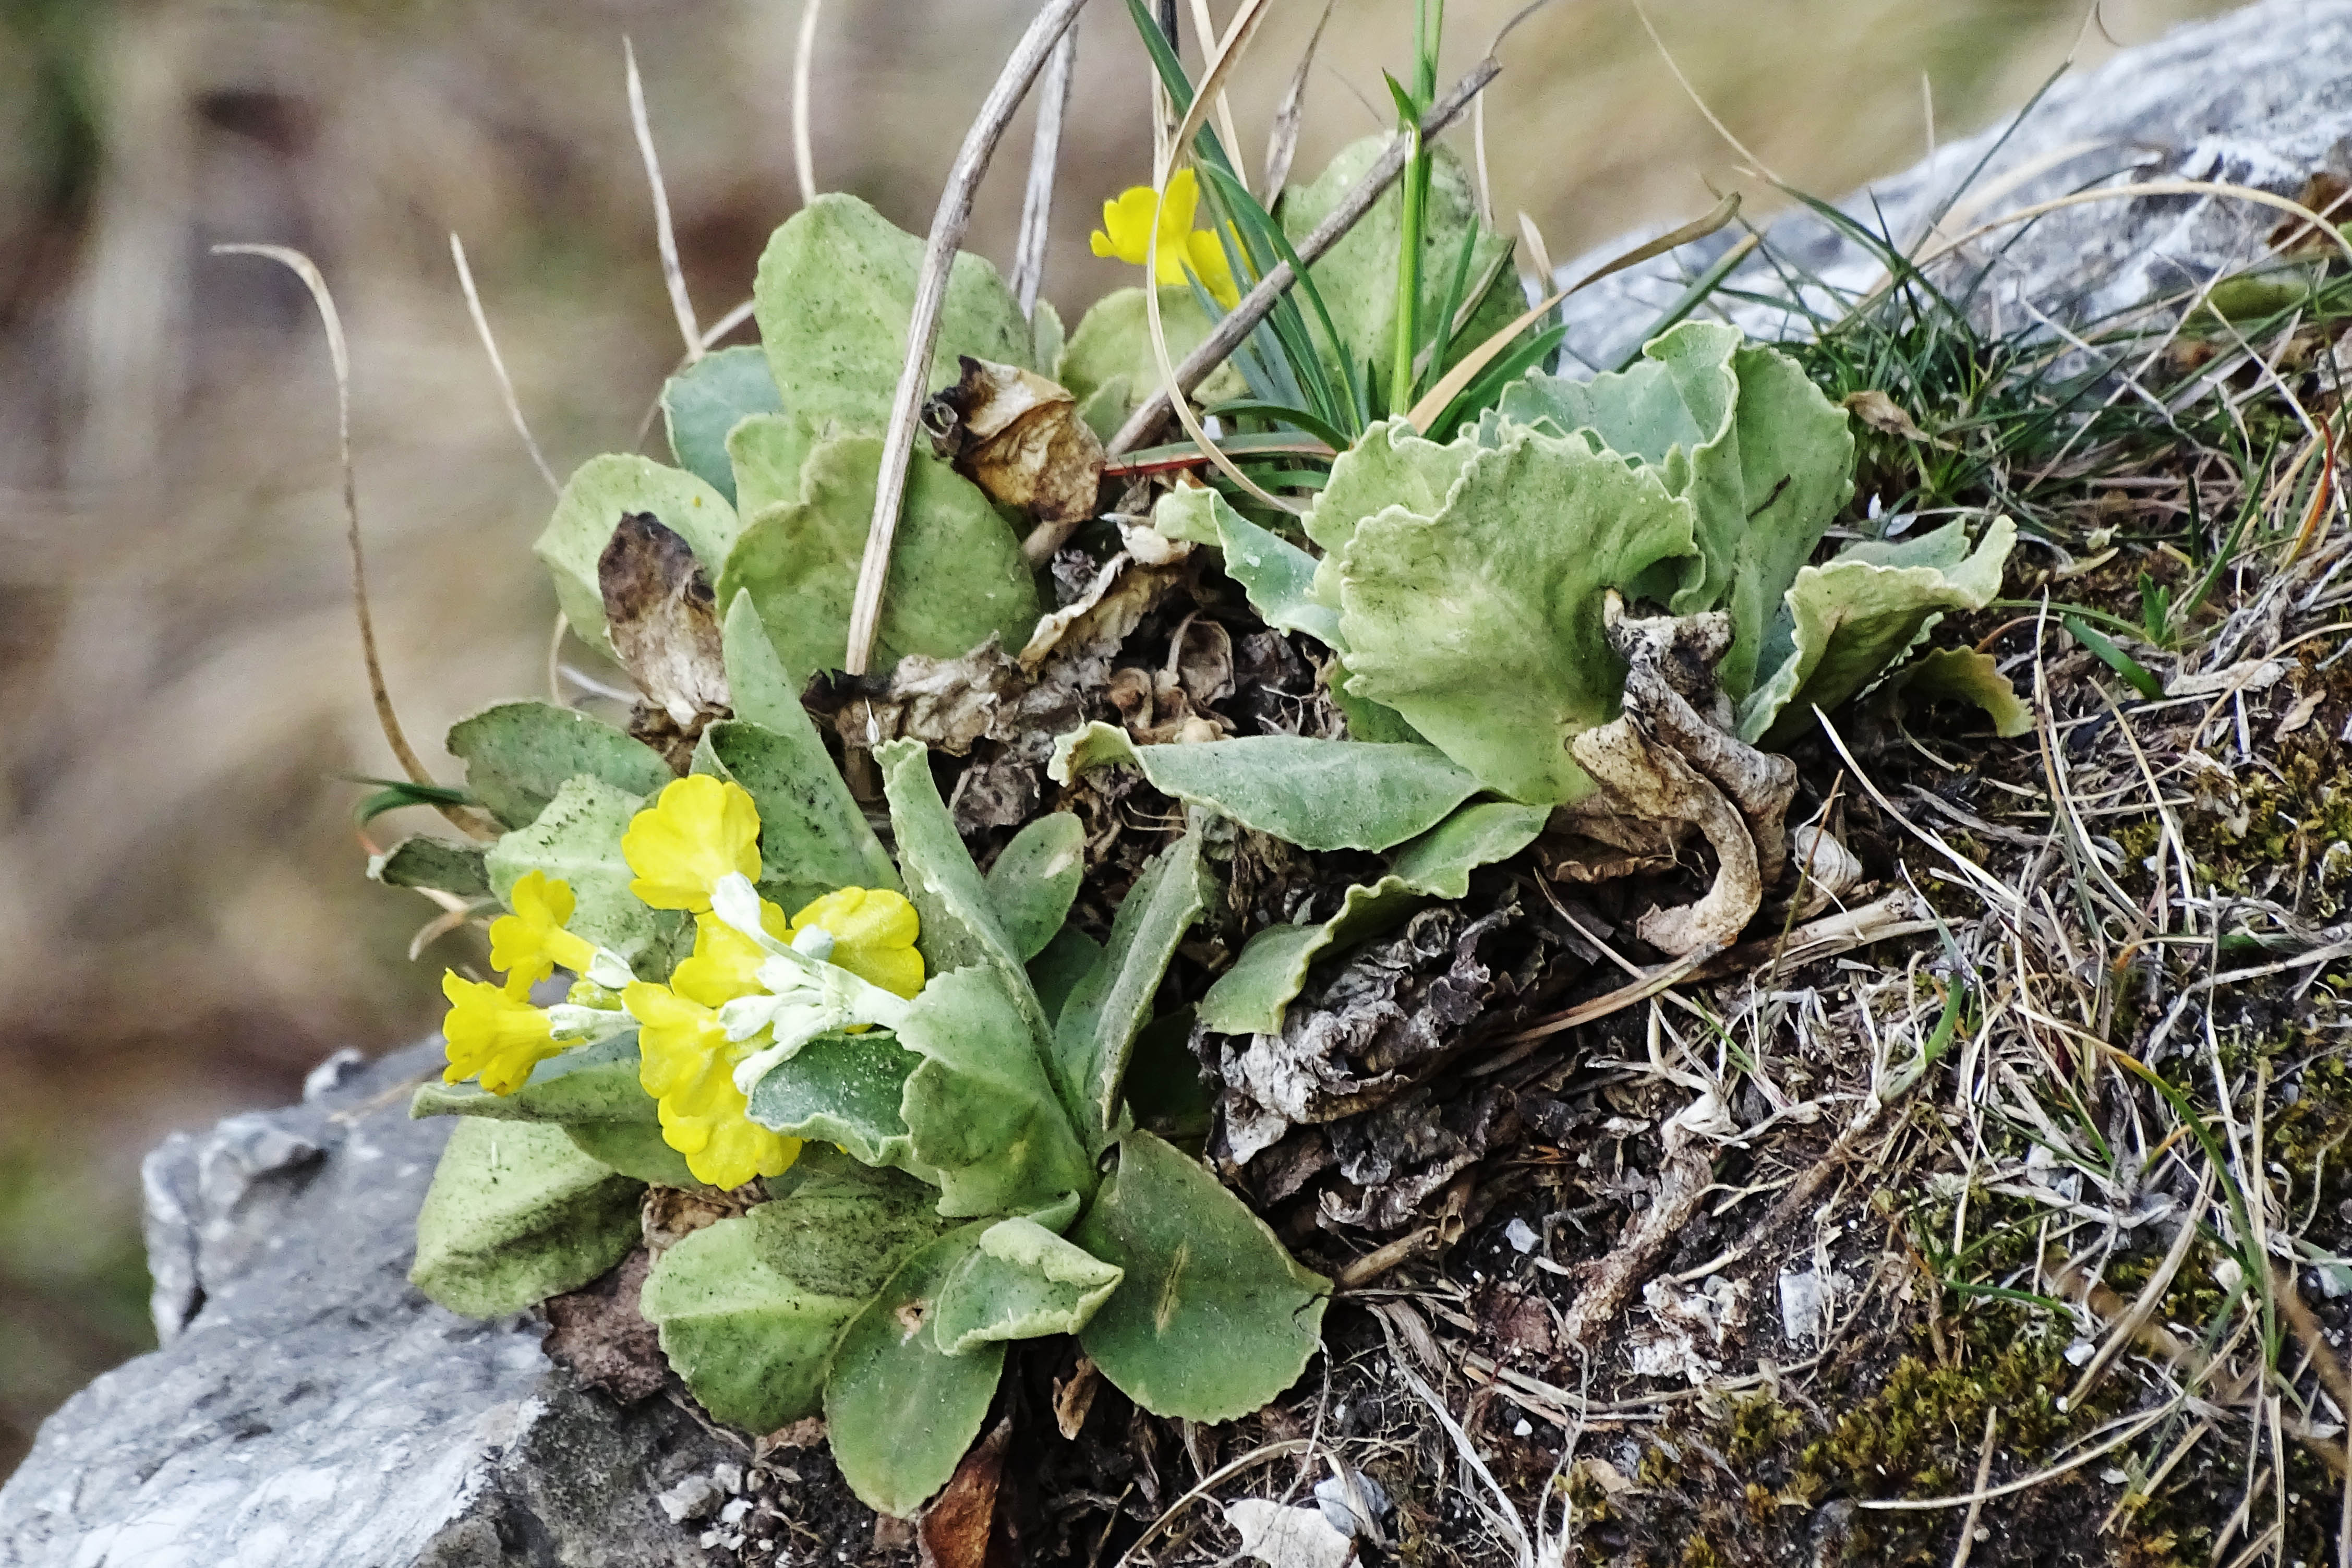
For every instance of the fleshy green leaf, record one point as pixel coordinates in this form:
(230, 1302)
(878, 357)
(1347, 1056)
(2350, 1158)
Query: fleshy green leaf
(1164, 1091)
(961, 925)
(1215, 1319)
(1055, 973)
(1251, 997)
(1097, 1026)
(899, 1411)
(1964, 675)
(603, 491)
(749, 1308)
(836, 288)
(1021, 1282)
(1393, 465)
(844, 1090)
(709, 398)
(1764, 456)
(1849, 620)
(1317, 794)
(1035, 876)
(435, 863)
(588, 1083)
(517, 1213)
(1481, 626)
(813, 837)
(767, 452)
(1108, 365)
(1279, 576)
(957, 574)
(763, 694)
(980, 1111)
(517, 754)
(635, 1149)
(578, 839)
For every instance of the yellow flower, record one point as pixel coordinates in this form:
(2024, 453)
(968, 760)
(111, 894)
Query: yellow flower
(698, 831)
(531, 942)
(726, 962)
(686, 1061)
(495, 1033)
(1127, 234)
(873, 934)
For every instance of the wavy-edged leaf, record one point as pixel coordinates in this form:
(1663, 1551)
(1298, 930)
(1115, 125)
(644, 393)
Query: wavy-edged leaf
(1021, 1282)
(1481, 625)
(516, 1214)
(1035, 878)
(834, 293)
(1393, 465)
(749, 1308)
(1251, 996)
(1215, 1318)
(1765, 459)
(1964, 675)
(1097, 1026)
(435, 863)
(709, 398)
(578, 839)
(1317, 794)
(899, 1411)
(767, 452)
(1279, 576)
(844, 1089)
(517, 754)
(600, 492)
(588, 1083)
(1849, 620)
(957, 574)
(981, 1111)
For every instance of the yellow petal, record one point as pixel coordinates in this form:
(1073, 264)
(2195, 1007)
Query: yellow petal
(1183, 200)
(874, 931)
(493, 1035)
(1209, 264)
(1125, 232)
(529, 943)
(686, 1061)
(698, 831)
(726, 962)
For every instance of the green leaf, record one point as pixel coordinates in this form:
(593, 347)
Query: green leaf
(1021, 1282)
(1251, 996)
(767, 452)
(844, 1089)
(1393, 465)
(578, 839)
(1317, 794)
(517, 1213)
(980, 1111)
(435, 863)
(749, 1308)
(1035, 878)
(1849, 620)
(1279, 576)
(899, 1410)
(1098, 1024)
(1164, 1090)
(1213, 1319)
(813, 837)
(957, 574)
(394, 795)
(635, 1149)
(762, 693)
(1964, 675)
(1767, 461)
(2112, 654)
(1108, 365)
(595, 1083)
(600, 492)
(1358, 277)
(519, 755)
(961, 925)
(709, 398)
(1481, 625)
(1055, 973)
(834, 293)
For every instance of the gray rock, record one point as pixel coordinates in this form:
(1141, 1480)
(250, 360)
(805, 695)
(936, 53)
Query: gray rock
(309, 1406)
(2255, 98)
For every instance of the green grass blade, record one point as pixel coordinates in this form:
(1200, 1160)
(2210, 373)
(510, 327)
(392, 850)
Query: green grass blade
(2114, 657)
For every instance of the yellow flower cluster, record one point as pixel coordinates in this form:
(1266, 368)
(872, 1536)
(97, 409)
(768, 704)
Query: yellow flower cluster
(1128, 234)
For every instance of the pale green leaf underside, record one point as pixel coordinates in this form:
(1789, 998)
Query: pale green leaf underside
(1021, 1282)
(1035, 876)
(517, 754)
(1317, 794)
(709, 398)
(600, 492)
(517, 1212)
(1964, 675)
(578, 839)
(898, 1410)
(1097, 1026)
(1213, 1317)
(1279, 576)
(588, 1083)
(633, 1149)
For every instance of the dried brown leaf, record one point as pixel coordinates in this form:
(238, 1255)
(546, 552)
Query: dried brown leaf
(1018, 437)
(954, 1530)
(659, 608)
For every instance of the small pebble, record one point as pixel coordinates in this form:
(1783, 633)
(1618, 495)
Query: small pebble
(1521, 1236)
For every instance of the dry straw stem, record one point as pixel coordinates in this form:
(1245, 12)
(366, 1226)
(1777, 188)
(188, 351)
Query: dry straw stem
(1290, 114)
(339, 352)
(1044, 158)
(498, 364)
(1264, 1453)
(681, 304)
(803, 71)
(948, 225)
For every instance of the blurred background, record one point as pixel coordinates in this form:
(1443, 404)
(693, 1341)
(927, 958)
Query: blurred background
(185, 924)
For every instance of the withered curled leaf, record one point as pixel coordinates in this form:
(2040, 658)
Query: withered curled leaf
(1018, 437)
(664, 622)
